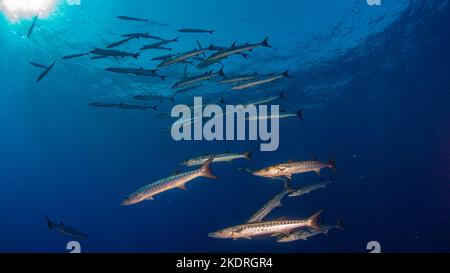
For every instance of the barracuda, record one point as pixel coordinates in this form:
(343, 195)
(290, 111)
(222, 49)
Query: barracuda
(175, 181)
(182, 57)
(278, 227)
(310, 188)
(308, 233)
(231, 51)
(269, 206)
(225, 157)
(294, 167)
(260, 81)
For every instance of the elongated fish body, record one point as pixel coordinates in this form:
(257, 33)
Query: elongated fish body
(33, 24)
(298, 114)
(163, 57)
(43, 74)
(38, 65)
(234, 50)
(65, 230)
(134, 71)
(68, 57)
(103, 104)
(295, 167)
(159, 44)
(121, 42)
(187, 88)
(193, 30)
(262, 101)
(195, 79)
(240, 78)
(260, 81)
(225, 157)
(310, 188)
(250, 230)
(136, 107)
(113, 53)
(182, 57)
(144, 35)
(251, 171)
(152, 97)
(307, 233)
(268, 207)
(171, 182)
(128, 18)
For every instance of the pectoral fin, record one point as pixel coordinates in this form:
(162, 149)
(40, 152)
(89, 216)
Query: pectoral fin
(183, 187)
(317, 172)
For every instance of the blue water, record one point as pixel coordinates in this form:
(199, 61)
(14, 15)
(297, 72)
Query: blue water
(373, 80)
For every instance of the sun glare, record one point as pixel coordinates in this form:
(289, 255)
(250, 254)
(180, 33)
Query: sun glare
(26, 9)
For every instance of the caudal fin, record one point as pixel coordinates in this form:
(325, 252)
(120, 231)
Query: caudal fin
(136, 56)
(220, 72)
(248, 155)
(299, 114)
(282, 96)
(332, 164)
(265, 42)
(206, 169)
(314, 221)
(49, 222)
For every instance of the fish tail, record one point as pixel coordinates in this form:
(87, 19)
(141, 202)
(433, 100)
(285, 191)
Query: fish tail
(339, 224)
(248, 155)
(222, 101)
(155, 108)
(315, 220)
(136, 56)
(332, 164)
(285, 73)
(282, 96)
(49, 222)
(265, 42)
(206, 169)
(299, 114)
(221, 72)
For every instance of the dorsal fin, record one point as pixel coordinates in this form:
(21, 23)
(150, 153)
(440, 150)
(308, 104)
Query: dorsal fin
(315, 158)
(176, 172)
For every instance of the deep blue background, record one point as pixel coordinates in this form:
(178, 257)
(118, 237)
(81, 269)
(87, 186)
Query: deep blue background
(374, 82)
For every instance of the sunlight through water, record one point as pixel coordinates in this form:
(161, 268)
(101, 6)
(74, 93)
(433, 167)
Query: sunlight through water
(26, 9)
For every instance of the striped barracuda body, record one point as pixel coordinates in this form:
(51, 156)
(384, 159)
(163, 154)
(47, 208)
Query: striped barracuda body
(295, 167)
(225, 157)
(269, 207)
(278, 227)
(176, 181)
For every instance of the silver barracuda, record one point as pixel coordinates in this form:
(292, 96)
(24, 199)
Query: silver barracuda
(269, 206)
(196, 79)
(308, 233)
(171, 182)
(266, 100)
(298, 114)
(65, 230)
(240, 78)
(216, 57)
(260, 81)
(113, 53)
(250, 230)
(225, 157)
(295, 167)
(310, 188)
(181, 57)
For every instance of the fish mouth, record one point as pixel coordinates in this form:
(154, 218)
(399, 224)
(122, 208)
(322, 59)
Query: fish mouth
(213, 235)
(125, 202)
